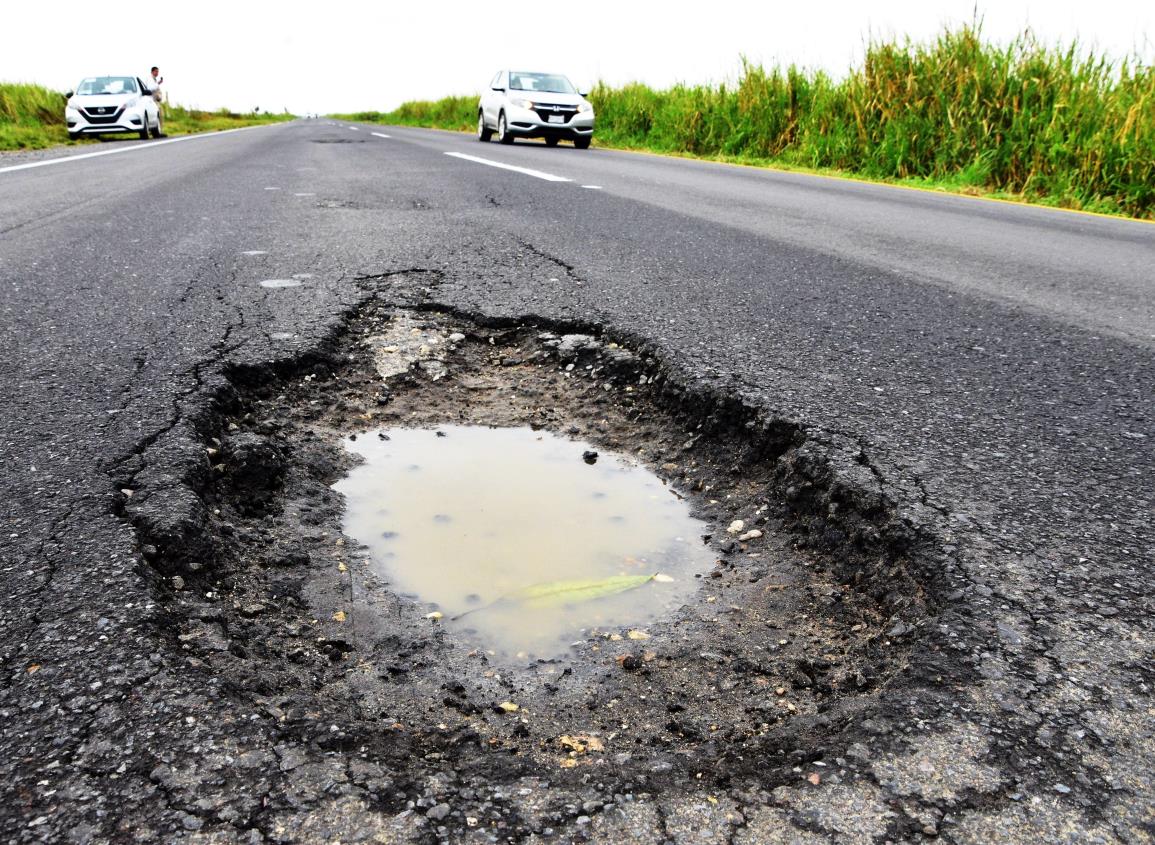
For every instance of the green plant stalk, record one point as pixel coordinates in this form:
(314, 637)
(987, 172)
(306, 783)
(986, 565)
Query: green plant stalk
(561, 593)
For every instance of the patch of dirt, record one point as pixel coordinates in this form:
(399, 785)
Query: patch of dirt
(784, 650)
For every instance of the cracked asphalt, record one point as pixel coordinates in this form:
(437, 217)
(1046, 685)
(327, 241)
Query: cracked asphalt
(990, 364)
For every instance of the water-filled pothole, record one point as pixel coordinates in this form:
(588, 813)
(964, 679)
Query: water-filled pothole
(800, 629)
(522, 540)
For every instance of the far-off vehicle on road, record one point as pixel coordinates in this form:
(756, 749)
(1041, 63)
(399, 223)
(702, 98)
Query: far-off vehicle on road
(112, 104)
(534, 105)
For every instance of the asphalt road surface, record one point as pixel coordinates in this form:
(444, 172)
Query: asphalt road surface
(995, 359)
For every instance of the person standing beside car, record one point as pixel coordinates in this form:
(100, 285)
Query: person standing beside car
(155, 80)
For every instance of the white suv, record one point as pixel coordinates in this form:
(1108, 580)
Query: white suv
(107, 104)
(534, 105)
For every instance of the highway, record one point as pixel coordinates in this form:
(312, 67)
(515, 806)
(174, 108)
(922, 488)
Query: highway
(992, 364)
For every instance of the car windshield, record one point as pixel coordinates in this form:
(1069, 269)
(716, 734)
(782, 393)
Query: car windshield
(107, 85)
(554, 83)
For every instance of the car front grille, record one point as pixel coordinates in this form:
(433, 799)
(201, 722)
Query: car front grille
(547, 110)
(102, 114)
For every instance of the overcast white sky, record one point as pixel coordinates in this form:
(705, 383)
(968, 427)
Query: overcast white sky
(343, 55)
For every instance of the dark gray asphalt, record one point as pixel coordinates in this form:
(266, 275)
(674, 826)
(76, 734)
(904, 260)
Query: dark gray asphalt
(998, 357)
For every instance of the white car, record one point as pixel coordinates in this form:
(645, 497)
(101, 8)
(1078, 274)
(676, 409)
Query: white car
(522, 104)
(108, 104)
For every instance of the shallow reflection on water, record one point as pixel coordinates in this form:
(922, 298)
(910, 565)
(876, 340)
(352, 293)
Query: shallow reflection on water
(476, 519)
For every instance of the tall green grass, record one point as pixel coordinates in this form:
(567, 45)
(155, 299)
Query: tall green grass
(1050, 124)
(459, 112)
(1058, 125)
(32, 117)
(179, 120)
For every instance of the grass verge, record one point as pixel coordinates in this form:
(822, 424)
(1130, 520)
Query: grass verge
(1055, 125)
(32, 118)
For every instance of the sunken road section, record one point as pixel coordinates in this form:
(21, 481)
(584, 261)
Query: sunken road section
(817, 615)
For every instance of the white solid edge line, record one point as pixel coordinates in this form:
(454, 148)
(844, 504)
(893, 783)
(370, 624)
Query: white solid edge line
(150, 145)
(379, 135)
(549, 177)
(593, 187)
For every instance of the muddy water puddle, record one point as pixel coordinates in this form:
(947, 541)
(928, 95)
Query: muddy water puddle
(519, 541)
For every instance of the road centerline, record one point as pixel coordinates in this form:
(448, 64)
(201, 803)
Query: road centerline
(380, 135)
(528, 171)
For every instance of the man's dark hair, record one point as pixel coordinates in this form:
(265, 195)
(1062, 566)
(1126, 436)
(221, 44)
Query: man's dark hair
(154, 67)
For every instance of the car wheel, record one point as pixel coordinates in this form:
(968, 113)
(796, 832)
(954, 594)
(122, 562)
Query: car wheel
(503, 130)
(144, 127)
(484, 133)
(551, 142)
(72, 136)
(156, 131)
(582, 143)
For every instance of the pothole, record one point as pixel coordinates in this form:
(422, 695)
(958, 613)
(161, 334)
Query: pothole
(522, 540)
(748, 661)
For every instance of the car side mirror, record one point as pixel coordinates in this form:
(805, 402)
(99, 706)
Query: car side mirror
(68, 96)
(583, 94)
(502, 90)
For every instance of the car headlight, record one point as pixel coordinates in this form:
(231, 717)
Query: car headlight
(521, 103)
(71, 111)
(584, 107)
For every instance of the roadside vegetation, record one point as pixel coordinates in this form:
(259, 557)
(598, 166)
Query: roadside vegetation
(32, 117)
(446, 113)
(1056, 125)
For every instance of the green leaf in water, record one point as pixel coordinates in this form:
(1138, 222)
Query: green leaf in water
(559, 593)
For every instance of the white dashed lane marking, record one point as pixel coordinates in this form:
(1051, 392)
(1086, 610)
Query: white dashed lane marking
(537, 174)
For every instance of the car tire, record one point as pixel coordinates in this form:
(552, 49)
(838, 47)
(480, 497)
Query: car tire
(156, 133)
(73, 136)
(582, 143)
(484, 133)
(144, 127)
(503, 130)
(551, 142)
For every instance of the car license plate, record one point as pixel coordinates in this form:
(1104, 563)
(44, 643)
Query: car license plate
(557, 118)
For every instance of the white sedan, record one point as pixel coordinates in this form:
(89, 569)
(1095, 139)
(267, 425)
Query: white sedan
(110, 104)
